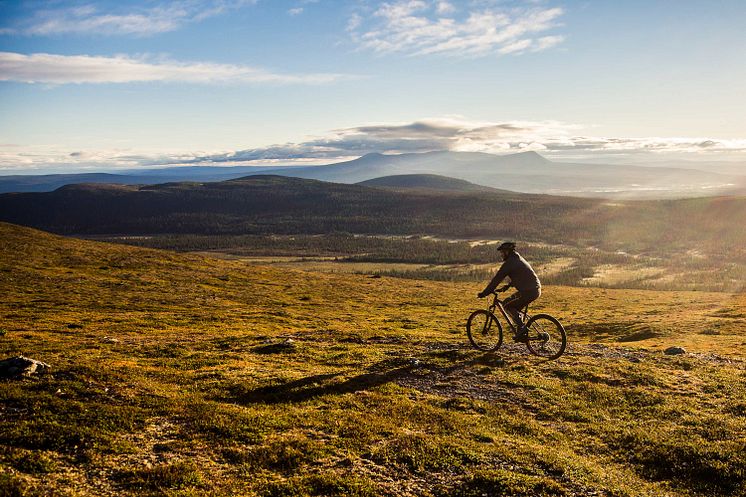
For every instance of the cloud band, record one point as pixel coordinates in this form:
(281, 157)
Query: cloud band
(555, 139)
(63, 69)
(89, 19)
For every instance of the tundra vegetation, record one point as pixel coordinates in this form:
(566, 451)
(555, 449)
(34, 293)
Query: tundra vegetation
(182, 374)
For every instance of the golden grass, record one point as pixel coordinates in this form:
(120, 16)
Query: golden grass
(188, 375)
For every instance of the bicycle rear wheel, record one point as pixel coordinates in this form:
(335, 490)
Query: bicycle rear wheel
(484, 330)
(546, 336)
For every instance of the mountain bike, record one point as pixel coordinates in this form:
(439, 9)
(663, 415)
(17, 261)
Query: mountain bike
(545, 336)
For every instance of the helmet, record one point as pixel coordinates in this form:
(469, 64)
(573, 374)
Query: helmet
(506, 246)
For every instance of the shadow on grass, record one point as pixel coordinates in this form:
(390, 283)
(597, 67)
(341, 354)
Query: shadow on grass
(314, 386)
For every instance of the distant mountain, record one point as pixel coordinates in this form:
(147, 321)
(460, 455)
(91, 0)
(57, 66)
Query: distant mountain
(476, 165)
(201, 173)
(526, 172)
(49, 182)
(427, 182)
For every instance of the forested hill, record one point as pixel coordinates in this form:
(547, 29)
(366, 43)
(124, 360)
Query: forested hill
(282, 205)
(428, 182)
(277, 204)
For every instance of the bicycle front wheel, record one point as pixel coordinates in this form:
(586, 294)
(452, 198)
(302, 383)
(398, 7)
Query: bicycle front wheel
(484, 330)
(546, 336)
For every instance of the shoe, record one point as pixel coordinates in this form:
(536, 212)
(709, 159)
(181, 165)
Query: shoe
(521, 336)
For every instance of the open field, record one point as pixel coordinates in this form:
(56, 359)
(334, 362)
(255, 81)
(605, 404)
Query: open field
(179, 374)
(465, 260)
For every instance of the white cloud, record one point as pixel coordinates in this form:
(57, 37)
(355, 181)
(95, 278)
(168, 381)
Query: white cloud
(62, 69)
(354, 22)
(515, 47)
(444, 8)
(296, 11)
(649, 145)
(554, 139)
(90, 19)
(23, 159)
(546, 42)
(419, 27)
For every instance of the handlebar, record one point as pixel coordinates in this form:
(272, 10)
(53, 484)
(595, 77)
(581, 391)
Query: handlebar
(496, 291)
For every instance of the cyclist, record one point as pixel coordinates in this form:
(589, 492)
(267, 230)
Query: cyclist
(522, 278)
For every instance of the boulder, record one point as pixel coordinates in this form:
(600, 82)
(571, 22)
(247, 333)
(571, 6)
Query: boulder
(15, 367)
(675, 351)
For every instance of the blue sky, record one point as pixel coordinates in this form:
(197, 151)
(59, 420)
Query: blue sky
(107, 85)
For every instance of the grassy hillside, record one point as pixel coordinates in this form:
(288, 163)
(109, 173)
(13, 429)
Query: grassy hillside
(176, 374)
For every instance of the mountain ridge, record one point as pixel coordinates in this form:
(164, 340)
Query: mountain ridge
(527, 172)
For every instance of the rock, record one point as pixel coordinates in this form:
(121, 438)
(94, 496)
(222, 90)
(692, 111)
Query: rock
(675, 351)
(15, 367)
(110, 340)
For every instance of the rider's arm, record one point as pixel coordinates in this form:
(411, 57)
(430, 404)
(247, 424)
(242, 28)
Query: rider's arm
(502, 273)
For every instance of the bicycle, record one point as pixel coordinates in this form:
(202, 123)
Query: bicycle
(545, 336)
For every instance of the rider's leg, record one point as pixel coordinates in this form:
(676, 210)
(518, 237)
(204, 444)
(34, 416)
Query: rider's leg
(517, 302)
(512, 306)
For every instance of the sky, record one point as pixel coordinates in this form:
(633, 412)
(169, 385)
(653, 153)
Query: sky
(99, 85)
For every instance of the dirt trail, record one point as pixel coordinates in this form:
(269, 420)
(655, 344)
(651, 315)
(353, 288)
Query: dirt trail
(476, 376)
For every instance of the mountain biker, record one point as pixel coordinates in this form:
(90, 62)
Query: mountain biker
(522, 278)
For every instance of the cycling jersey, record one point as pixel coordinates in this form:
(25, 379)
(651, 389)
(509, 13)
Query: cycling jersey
(521, 274)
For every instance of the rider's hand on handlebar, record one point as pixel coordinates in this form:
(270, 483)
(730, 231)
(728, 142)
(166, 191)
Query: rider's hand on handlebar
(482, 295)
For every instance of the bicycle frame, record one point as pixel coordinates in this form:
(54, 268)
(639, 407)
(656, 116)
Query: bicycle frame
(497, 303)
